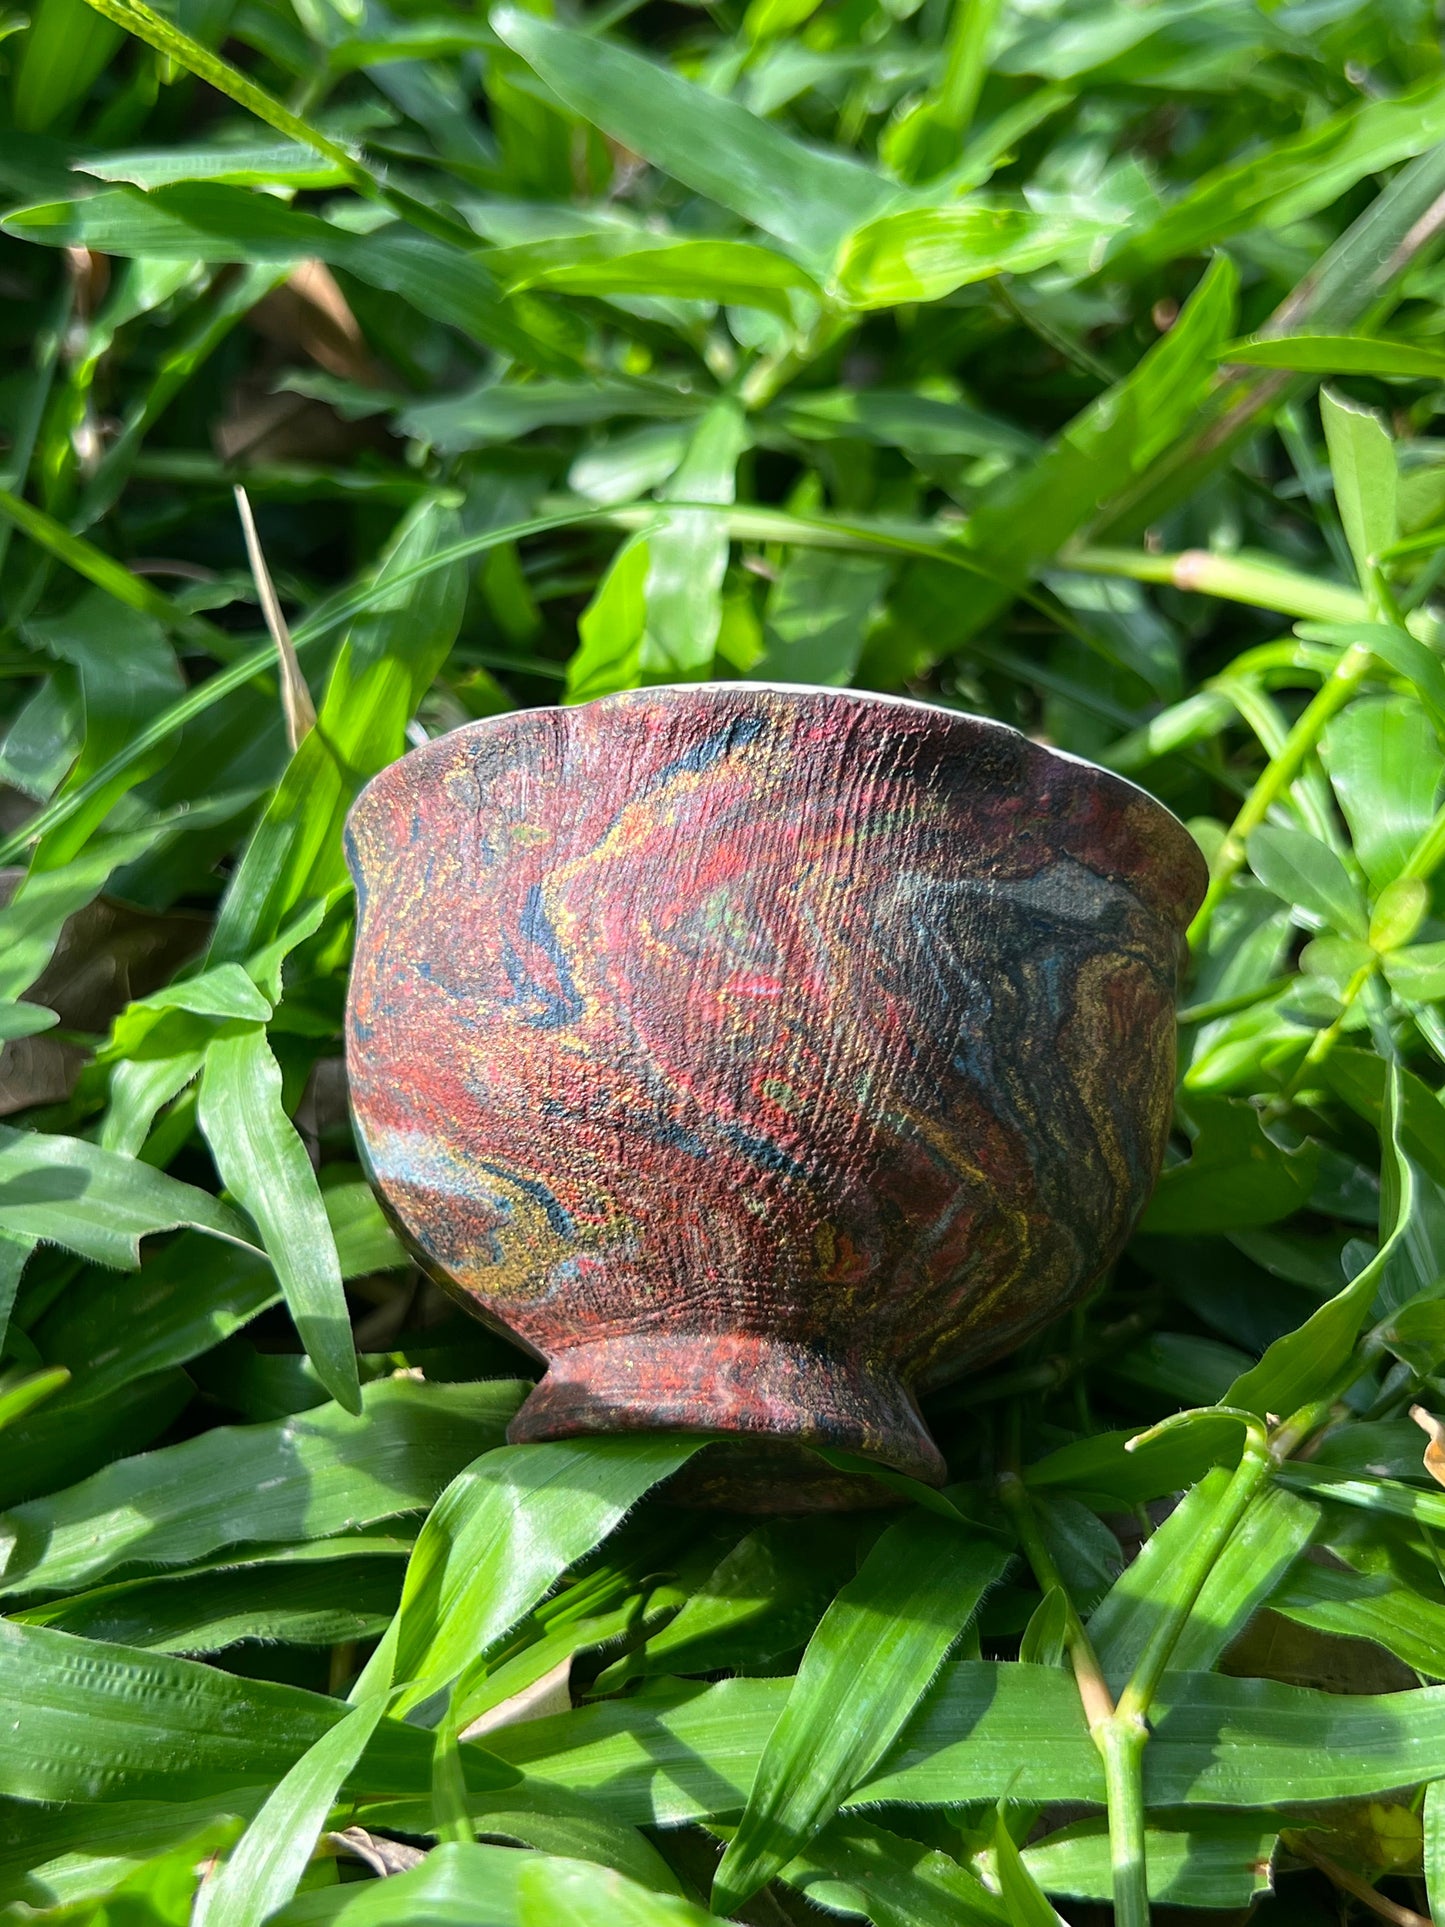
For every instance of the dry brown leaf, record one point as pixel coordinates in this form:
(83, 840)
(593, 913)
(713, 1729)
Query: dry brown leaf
(549, 1694)
(1435, 1449)
(108, 953)
(383, 1856)
(311, 316)
(296, 701)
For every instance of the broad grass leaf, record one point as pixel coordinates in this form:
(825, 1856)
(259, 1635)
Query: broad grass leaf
(1042, 1642)
(554, 1821)
(1083, 1549)
(921, 424)
(25, 1020)
(808, 199)
(265, 1167)
(365, 1242)
(925, 253)
(989, 1731)
(1120, 1625)
(1307, 875)
(67, 46)
(549, 1890)
(1417, 973)
(1026, 1902)
(1434, 1822)
(206, 697)
(60, 1856)
(1098, 454)
(31, 922)
(1187, 1369)
(449, 1817)
(15, 1253)
(1210, 1860)
(270, 164)
(306, 1477)
(873, 1657)
(761, 1602)
(1386, 767)
(501, 1536)
(23, 1395)
(1361, 1079)
(158, 1045)
(96, 1723)
(127, 672)
(66, 1191)
(1235, 1177)
(211, 221)
(1236, 1743)
(321, 1595)
(505, 411)
(1357, 1606)
(263, 1869)
(1273, 1534)
(656, 616)
(1102, 1470)
(186, 1298)
(1311, 1362)
(608, 656)
(463, 1885)
(75, 1433)
(1388, 1496)
(1290, 178)
(818, 616)
(853, 1866)
(524, 1686)
(633, 262)
(1416, 1334)
(224, 992)
(1340, 355)
(688, 551)
(1366, 479)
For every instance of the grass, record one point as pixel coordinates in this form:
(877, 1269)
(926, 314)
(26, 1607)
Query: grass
(1075, 364)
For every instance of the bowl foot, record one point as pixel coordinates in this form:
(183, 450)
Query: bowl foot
(766, 1392)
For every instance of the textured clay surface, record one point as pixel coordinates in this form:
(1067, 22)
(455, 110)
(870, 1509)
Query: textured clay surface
(760, 1057)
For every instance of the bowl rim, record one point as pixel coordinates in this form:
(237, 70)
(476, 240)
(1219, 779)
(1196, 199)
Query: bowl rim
(943, 711)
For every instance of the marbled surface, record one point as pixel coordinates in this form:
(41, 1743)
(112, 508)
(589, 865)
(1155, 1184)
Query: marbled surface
(757, 1056)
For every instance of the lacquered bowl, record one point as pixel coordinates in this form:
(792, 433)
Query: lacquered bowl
(760, 1057)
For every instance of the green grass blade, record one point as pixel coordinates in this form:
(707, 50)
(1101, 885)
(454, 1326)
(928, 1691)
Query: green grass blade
(1214, 1861)
(1340, 355)
(807, 198)
(1434, 1845)
(139, 19)
(322, 1595)
(501, 1536)
(1268, 1540)
(133, 591)
(66, 1191)
(462, 1885)
(1362, 461)
(1025, 1899)
(307, 1477)
(265, 1167)
(902, 1883)
(98, 1723)
(989, 1732)
(264, 1868)
(870, 1662)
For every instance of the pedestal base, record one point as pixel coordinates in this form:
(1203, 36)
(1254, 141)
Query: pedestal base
(766, 1397)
